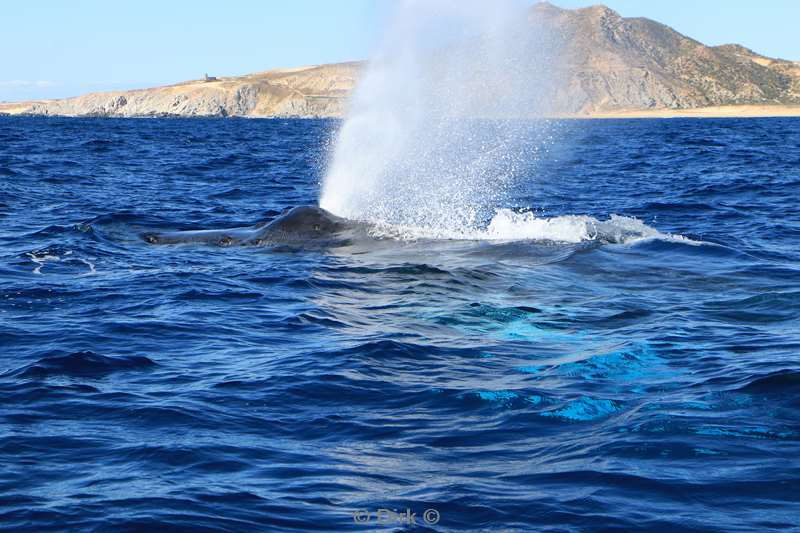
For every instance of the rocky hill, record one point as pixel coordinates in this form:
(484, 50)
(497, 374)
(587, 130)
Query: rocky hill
(614, 63)
(608, 65)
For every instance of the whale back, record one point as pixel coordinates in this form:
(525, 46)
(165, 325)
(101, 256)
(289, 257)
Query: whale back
(302, 224)
(299, 226)
(222, 237)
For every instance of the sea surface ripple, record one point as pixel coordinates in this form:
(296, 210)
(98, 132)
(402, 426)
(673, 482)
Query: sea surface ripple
(509, 385)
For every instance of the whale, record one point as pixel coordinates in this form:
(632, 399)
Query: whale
(298, 226)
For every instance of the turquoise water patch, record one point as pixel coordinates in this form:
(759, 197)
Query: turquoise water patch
(631, 363)
(750, 432)
(506, 397)
(585, 408)
(500, 397)
(520, 323)
(503, 396)
(534, 399)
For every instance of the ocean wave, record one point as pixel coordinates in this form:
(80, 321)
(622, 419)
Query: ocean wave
(82, 364)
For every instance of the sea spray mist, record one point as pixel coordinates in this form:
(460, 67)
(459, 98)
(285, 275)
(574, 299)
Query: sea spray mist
(445, 119)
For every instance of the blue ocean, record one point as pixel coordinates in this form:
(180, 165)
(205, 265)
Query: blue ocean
(618, 350)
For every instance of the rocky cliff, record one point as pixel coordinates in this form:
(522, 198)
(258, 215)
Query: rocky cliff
(318, 91)
(607, 64)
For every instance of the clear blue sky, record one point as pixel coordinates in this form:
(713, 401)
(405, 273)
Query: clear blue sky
(54, 48)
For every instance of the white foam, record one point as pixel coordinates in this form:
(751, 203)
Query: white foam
(40, 259)
(508, 225)
(92, 269)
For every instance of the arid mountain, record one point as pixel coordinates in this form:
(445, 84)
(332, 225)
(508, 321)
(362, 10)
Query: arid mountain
(613, 63)
(608, 65)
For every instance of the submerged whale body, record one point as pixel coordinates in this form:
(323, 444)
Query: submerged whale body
(298, 226)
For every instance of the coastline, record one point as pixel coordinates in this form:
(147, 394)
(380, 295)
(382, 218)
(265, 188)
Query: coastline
(730, 111)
